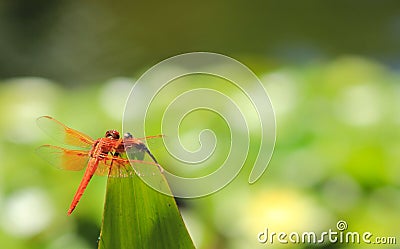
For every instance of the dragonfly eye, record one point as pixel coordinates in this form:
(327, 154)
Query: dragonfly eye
(112, 134)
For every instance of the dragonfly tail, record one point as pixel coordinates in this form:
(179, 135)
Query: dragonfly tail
(92, 166)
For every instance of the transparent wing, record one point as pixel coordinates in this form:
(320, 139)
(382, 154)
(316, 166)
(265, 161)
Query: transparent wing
(151, 137)
(62, 133)
(136, 148)
(63, 158)
(76, 160)
(114, 166)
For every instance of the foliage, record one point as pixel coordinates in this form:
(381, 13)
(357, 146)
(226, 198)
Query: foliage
(136, 216)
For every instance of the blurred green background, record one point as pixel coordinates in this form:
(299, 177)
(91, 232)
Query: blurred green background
(331, 69)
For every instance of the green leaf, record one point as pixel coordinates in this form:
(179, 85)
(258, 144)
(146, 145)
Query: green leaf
(137, 216)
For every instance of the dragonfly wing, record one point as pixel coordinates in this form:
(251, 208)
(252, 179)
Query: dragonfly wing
(113, 166)
(136, 154)
(136, 148)
(62, 133)
(151, 137)
(63, 158)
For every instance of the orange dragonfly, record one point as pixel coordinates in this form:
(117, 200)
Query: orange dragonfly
(103, 156)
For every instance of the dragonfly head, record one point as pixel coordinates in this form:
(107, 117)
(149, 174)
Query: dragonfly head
(112, 134)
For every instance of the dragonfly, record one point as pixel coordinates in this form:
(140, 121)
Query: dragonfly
(105, 156)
